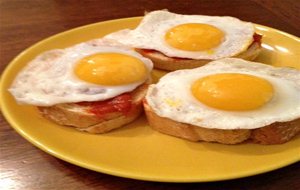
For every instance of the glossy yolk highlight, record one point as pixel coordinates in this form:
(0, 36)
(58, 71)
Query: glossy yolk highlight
(194, 37)
(111, 69)
(232, 91)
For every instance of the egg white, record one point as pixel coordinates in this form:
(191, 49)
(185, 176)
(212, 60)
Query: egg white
(49, 78)
(184, 107)
(151, 31)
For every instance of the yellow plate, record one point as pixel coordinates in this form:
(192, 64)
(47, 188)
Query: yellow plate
(136, 151)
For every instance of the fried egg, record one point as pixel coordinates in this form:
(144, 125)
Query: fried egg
(188, 36)
(90, 71)
(228, 93)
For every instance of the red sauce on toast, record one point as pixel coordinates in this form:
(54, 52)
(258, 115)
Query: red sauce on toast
(121, 103)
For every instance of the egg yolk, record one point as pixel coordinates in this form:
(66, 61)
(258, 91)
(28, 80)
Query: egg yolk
(232, 91)
(194, 37)
(111, 69)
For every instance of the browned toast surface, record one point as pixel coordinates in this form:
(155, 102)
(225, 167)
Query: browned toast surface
(164, 62)
(276, 133)
(79, 115)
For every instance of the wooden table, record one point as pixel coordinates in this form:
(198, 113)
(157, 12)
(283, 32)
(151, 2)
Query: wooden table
(23, 23)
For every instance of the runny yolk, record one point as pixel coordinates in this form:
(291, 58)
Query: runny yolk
(194, 37)
(232, 91)
(111, 69)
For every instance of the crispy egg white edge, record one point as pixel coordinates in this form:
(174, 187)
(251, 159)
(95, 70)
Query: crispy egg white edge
(285, 105)
(43, 95)
(150, 33)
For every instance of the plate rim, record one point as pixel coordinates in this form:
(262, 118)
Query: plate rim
(130, 175)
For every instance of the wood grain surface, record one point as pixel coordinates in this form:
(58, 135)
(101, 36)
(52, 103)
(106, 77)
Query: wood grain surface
(23, 23)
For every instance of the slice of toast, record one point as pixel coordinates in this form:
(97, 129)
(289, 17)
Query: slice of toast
(164, 62)
(80, 116)
(276, 133)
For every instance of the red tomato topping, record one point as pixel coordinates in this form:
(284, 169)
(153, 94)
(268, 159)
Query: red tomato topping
(121, 103)
(148, 51)
(257, 38)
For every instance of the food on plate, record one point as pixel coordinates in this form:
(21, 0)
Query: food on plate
(227, 101)
(173, 41)
(94, 86)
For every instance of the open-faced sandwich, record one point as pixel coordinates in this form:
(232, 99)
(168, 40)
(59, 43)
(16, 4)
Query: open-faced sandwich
(93, 86)
(227, 101)
(173, 41)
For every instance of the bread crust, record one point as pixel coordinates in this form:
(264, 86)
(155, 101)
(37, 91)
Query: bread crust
(164, 62)
(79, 116)
(276, 133)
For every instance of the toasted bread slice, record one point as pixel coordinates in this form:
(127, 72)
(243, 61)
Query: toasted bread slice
(275, 133)
(79, 116)
(164, 62)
